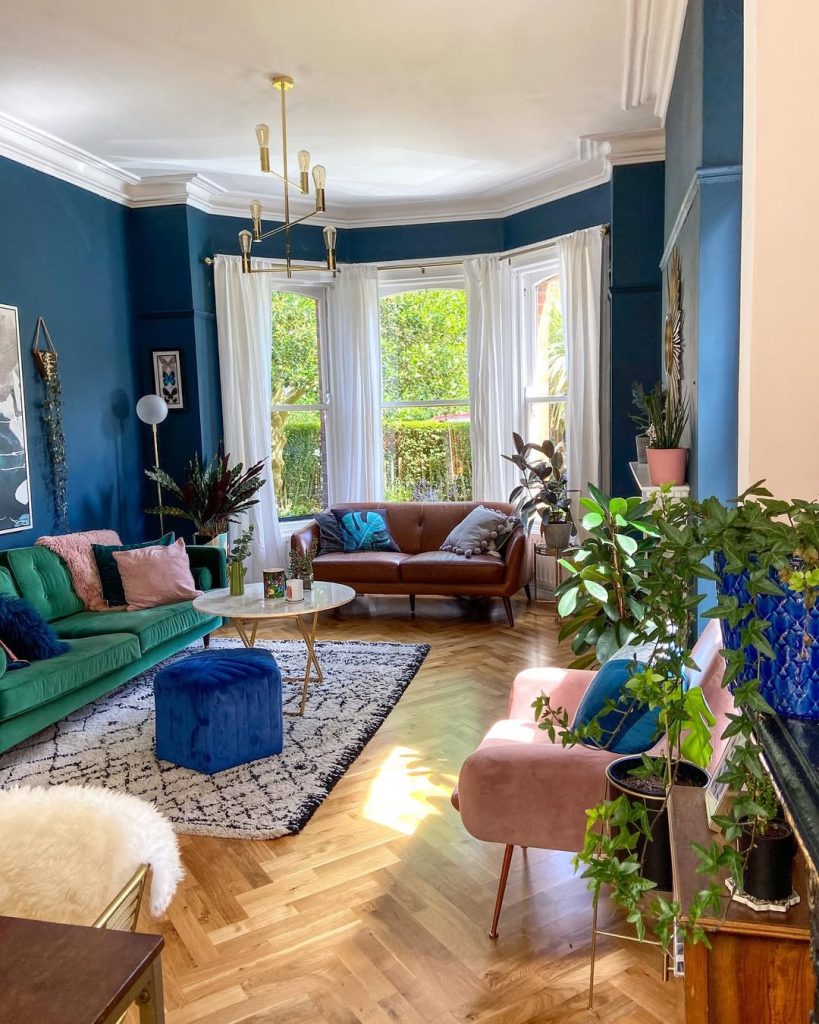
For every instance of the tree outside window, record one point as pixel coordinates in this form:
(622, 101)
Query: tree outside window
(425, 390)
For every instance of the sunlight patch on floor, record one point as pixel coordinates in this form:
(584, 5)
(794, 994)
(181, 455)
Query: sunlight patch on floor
(406, 791)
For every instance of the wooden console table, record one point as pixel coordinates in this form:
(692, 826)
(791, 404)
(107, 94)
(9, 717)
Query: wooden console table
(758, 968)
(64, 974)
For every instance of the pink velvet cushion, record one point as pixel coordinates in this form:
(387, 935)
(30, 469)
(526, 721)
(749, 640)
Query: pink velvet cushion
(157, 575)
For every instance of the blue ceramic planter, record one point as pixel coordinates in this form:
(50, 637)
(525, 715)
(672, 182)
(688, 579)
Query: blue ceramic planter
(789, 682)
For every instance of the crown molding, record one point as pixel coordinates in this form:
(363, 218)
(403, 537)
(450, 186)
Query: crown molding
(45, 152)
(596, 155)
(652, 42)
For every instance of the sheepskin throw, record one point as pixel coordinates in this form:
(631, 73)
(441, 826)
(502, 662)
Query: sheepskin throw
(76, 550)
(66, 851)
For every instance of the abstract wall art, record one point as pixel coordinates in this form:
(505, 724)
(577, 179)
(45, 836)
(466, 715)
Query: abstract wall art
(15, 496)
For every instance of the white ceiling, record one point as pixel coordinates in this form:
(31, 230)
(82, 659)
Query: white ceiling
(412, 105)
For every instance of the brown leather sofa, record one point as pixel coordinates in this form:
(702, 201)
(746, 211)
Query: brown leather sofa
(419, 529)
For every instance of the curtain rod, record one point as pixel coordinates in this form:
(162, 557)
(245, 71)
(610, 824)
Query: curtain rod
(510, 255)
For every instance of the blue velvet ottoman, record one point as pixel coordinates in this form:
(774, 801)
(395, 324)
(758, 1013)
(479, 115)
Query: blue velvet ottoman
(217, 709)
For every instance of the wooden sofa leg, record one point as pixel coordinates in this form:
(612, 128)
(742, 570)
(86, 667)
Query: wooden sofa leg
(507, 860)
(412, 605)
(206, 640)
(507, 604)
(527, 590)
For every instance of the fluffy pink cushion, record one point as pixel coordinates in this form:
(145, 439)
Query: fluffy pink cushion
(154, 576)
(75, 551)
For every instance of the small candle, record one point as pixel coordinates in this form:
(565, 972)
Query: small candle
(295, 590)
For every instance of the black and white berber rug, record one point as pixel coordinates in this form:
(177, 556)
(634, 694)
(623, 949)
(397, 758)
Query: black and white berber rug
(111, 743)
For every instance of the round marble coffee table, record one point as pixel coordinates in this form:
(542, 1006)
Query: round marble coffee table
(245, 613)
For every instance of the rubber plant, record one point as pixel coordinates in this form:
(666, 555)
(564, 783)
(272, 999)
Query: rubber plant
(543, 489)
(776, 545)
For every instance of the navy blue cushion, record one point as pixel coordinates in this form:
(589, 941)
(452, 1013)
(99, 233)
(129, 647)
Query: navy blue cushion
(330, 541)
(25, 632)
(109, 570)
(628, 727)
(219, 709)
(365, 531)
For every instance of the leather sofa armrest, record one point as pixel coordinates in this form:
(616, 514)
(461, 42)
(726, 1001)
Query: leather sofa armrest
(302, 539)
(516, 556)
(206, 556)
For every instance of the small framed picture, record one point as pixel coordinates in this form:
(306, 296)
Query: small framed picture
(168, 377)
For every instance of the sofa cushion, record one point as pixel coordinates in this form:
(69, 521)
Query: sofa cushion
(447, 567)
(366, 530)
(361, 567)
(109, 571)
(480, 532)
(44, 581)
(151, 626)
(329, 527)
(26, 632)
(88, 660)
(8, 588)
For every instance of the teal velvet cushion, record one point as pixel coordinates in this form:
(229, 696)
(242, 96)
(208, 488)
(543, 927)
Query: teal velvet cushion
(107, 565)
(365, 531)
(202, 577)
(44, 581)
(627, 726)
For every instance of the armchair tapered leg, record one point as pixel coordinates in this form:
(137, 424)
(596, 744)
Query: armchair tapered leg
(507, 604)
(412, 604)
(206, 640)
(507, 860)
(527, 590)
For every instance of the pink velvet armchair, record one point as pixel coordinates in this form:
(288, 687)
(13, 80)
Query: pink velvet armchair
(517, 769)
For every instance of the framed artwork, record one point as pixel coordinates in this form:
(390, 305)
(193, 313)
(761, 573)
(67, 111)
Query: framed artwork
(168, 377)
(15, 496)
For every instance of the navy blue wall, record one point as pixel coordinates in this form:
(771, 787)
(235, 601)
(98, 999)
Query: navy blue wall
(636, 303)
(703, 220)
(63, 256)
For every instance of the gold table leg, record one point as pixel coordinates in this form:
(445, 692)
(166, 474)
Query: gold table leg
(240, 625)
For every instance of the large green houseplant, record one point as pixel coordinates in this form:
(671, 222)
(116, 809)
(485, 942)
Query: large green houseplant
(669, 550)
(212, 495)
(543, 491)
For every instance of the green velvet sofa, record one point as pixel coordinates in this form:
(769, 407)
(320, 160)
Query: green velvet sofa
(107, 648)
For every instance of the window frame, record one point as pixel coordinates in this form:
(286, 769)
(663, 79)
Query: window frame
(529, 276)
(319, 293)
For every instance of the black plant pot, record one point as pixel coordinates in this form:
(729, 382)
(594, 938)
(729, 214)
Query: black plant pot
(655, 853)
(768, 871)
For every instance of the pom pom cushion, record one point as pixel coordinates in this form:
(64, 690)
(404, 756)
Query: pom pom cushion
(25, 632)
(156, 575)
(107, 567)
(627, 727)
(365, 531)
(483, 531)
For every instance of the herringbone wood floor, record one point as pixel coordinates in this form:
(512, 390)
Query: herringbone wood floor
(378, 911)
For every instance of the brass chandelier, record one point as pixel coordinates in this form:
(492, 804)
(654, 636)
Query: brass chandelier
(284, 83)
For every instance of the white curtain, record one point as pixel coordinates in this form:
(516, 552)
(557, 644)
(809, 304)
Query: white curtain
(581, 257)
(496, 394)
(243, 317)
(353, 363)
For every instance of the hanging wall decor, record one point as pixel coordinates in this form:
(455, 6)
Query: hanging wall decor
(168, 377)
(15, 497)
(45, 359)
(673, 341)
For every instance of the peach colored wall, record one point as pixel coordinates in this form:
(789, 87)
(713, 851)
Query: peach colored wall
(779, 347)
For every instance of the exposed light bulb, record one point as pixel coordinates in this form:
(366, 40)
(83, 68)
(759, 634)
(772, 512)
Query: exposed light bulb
(304, 167)
(245, 242)
(304, 160)
(256, 217)
(320, 175)
(263, 135)
(330, 241)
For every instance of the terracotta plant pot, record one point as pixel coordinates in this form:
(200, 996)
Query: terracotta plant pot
(667, 466)
(641, 444)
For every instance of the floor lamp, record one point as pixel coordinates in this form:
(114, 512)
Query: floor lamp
(153, 409)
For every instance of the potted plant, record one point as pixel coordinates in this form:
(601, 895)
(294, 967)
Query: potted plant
(301, 564)
(756, 536)
(211, 496)
(543, 491)
(640, 418)
(238, 554)
(667, 419)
